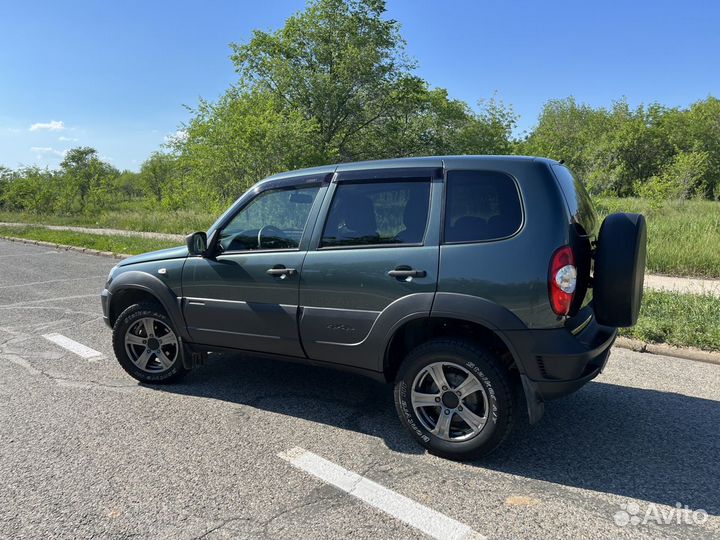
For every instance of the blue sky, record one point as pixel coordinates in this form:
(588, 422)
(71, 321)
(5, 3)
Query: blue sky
(116, 75)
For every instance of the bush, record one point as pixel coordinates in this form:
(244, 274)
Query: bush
(680, 179)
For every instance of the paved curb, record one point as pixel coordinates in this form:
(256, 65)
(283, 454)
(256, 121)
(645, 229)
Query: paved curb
(622, 342)
(100, 231)
(686, 353)
(67, 248)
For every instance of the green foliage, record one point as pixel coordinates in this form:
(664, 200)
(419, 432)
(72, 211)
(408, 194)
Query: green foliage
(157, 173)
(131, 215)
(682, 178)
(131, 245)
(82, 184)
(334, 84)
(683, 235)
(232, 144)
(678, 319)
(338, 63)
(652, 151)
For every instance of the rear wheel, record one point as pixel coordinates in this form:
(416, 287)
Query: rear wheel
(455, 398)
(146, 344)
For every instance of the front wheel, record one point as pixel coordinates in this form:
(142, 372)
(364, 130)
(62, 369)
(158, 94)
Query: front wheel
(147, 346)
(455, 398)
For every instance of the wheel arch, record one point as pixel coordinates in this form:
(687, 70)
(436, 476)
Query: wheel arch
(467, 317)
(134, 287)
(420, 330)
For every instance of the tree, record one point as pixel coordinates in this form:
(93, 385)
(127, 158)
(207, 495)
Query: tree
(339, 64)
(87, 182)
(156, 174)
(333, 84)
(234, 143)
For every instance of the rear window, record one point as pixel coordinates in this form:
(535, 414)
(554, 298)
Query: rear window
(578, 200)
(481, 206)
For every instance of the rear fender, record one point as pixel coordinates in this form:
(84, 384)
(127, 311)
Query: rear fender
(481, 311)
(503, 323)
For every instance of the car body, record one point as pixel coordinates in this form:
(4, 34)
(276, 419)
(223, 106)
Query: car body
(364, 262)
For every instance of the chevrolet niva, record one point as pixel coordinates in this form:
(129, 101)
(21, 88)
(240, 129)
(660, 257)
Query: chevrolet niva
(478, 285)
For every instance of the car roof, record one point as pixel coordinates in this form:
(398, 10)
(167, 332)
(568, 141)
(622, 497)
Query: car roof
(410, 162)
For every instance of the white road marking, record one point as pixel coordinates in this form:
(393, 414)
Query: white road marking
(73, 346)
(416, 515)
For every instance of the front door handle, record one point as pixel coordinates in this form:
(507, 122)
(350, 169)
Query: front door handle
(280, 271)
(405, 272)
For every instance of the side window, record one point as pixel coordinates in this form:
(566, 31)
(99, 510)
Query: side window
(274, 219)
(481, 206)
(372, 213)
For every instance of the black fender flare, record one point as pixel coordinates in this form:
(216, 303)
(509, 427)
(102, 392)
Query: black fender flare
(483, 312)
(503, 323)
(142, 281)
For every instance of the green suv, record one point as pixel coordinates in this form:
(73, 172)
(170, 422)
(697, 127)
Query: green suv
(478, 285)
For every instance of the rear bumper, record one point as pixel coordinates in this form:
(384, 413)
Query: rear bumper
(105, 301)
(558, 362)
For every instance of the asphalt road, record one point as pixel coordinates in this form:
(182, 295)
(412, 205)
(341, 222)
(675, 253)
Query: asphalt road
(86, 452)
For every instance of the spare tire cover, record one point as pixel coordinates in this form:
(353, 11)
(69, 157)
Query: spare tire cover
(620, 269)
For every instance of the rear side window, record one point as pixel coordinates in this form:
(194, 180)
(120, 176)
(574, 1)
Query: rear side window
(481, 206)
(372, 213)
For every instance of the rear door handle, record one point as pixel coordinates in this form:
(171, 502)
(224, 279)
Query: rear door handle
(404, 272)
(281, 271)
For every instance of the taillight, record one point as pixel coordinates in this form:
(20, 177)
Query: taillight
(562, 280)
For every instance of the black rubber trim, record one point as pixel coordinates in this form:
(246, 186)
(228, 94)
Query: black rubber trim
(397, 174)
(142, 281)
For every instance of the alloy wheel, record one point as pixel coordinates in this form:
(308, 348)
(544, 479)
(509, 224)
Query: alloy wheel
(151, 345)
(449, 401)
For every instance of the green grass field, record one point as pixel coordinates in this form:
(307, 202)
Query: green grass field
(683, 236)
(678, 319)
(131, 217)
(116, 244)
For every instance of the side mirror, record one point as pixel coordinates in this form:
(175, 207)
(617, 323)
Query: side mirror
(196, 243)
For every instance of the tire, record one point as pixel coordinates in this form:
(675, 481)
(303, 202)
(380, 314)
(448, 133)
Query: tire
(130, 339)
(493, 399)
(620, 269)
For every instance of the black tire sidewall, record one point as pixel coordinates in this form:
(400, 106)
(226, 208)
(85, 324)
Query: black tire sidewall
(478, 362)
(126, 319)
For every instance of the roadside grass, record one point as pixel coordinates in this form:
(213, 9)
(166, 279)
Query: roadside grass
(117, 244)
(683, 236)
(131, 217)
(684, 320)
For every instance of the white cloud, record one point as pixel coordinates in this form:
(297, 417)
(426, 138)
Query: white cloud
(48, 150)
(69, 139)
(53, 125)
(179, 136)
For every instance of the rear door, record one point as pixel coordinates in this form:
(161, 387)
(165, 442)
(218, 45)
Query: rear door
(373, 260)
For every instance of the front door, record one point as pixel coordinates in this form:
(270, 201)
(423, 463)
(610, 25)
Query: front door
(246, 296)
(373, 261)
